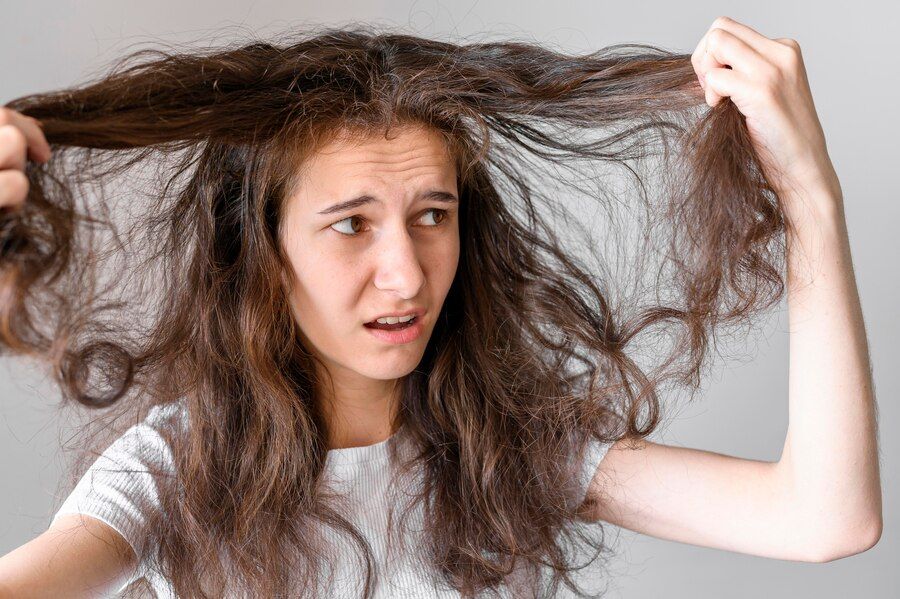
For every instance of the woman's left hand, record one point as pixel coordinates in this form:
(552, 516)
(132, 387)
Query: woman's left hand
(766, 80)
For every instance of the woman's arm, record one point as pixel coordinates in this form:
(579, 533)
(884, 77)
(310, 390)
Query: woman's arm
(822, 499)
(830, 457)
(78, 557)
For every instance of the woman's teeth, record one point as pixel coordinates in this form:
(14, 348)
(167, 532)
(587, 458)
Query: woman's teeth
(392, 323)
(395, 319)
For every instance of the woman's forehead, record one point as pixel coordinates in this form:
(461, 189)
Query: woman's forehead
(412, 152)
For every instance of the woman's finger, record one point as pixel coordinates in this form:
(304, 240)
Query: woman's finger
(13, 146)
(746, 34)
(723, 51)
(38, 148)
(724, 48)
(13, 188)
(725, 82)
(702, 58)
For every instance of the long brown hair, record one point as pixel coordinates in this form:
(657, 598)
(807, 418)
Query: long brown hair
(537, 348)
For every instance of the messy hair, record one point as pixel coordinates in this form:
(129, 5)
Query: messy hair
(537, 348)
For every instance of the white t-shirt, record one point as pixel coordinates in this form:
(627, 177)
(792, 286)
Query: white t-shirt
(119, 490)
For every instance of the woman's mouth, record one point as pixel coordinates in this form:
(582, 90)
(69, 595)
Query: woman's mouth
(397, 333)
(398, 326)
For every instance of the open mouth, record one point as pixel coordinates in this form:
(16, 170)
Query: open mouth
(399, 326)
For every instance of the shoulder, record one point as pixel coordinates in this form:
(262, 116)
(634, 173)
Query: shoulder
(121, 487)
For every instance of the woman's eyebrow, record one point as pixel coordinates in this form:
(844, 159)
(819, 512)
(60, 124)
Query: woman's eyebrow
(438, 196)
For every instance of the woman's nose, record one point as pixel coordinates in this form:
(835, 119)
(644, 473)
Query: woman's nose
(397, 266)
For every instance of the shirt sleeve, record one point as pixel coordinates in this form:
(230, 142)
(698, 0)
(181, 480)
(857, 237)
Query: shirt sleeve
(594, 453)
(120, 487)
(595, 450)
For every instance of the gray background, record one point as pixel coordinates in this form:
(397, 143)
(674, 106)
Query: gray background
(850, 57)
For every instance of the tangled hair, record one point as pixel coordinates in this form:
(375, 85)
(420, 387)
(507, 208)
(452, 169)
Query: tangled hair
(533, 343)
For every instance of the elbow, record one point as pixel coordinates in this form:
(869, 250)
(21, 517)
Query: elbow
(852, 542)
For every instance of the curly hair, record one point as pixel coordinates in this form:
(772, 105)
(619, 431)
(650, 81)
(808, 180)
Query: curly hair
(537, 347)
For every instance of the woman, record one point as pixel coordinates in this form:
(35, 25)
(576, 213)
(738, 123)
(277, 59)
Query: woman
(320, 186)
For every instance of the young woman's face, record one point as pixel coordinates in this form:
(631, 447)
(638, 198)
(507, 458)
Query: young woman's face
(393, 252)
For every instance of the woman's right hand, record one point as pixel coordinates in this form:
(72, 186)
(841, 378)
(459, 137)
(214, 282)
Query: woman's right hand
(21, 138)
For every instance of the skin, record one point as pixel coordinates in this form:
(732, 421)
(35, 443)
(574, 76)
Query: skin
(404, 254)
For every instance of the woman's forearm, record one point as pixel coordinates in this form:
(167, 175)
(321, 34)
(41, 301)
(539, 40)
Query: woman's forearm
(830, 458)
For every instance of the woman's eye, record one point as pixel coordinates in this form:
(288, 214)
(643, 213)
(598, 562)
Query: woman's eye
(434, 211)
(350, 231)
